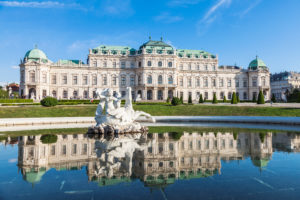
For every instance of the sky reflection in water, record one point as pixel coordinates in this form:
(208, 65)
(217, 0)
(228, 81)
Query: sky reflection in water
(194, 165)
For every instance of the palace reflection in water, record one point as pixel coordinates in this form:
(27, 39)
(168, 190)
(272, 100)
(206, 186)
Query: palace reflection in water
(156, 159)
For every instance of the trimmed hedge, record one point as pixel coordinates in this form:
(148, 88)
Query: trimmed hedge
(48, 139)
(49, 101)
(201, 99)
(215, 101)
(16, 101)
(261, 98)
(175, 101)
(234, 98)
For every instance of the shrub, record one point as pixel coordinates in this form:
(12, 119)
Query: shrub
(273, 99)
(168, 100)
(181, 99)
(261, 98)
(49, 101)
(224, 99)
(190, 99)
(16, 101)
(175, 101)
(215, 101)
(234, 99)
(238, 98)
(254, 99)
(298, 100)
(201, 99)
(48, 139)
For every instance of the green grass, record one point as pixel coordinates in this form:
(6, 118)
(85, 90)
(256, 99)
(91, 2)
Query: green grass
(155, 110)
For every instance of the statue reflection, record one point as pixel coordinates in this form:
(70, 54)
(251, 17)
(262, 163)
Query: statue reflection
(156, 159)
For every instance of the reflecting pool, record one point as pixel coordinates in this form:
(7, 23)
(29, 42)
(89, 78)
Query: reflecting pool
(168, 165)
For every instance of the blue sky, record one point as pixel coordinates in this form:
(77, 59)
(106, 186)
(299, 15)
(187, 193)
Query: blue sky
(236, 30)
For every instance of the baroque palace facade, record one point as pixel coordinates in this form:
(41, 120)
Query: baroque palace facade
(155, 72)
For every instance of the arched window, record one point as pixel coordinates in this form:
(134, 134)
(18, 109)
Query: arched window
(198, 82)
(159, 63)
(54, 93)
(32, 76)
(149, 79)
(65, 94)
(170, 80)
(75, 94)
(149, 63)
(170, 64)
(160, 80)
(85, 94)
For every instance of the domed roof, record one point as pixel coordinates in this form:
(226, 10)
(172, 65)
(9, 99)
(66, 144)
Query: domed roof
(36, 54)
(262, 163)
(256, 64)
(156, 44)
(34, 177)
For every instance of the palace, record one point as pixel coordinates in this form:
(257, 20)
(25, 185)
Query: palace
(154, 71)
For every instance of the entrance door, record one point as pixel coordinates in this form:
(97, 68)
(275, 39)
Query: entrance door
(149, 95)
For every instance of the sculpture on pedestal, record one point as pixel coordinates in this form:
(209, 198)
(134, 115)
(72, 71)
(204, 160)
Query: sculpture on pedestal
(111, 117)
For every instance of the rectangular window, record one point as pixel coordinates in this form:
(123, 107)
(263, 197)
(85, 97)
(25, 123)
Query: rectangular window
(123, 64)
(105, 64)
(221, 82)
(53, 150)
(32, 77)
(85, 80)
(75, 80)
(64, 79)
(64, 149)
(123, 80)
(114, 65)
(84, 149)
(189, 82)
(205, 82)
(132, 65)
(114, 80)
(74, 148)
(132, 81)
(214, 82)
(104, 80)
(44, 78)
(53, 79)
(244, 83)
(181, 81)
(206, 95)
(254, 82)
(94, 80)
(181, 66)
(229, 83)
(237, 83)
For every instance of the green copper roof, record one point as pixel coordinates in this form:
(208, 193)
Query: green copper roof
(160, 45)
(70, 62)
(106, 48)
(257, 63)
(36, 54)
(261, 162)
(194, 53)
(34, 177)
(113, 181)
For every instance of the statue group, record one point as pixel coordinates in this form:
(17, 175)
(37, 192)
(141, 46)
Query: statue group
(112, 117)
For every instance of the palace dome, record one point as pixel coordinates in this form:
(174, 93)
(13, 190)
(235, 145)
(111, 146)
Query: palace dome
(36, 54)
(257, 64)
(156, 44)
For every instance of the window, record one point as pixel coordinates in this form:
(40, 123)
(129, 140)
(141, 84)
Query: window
(206, 67)
(237, 83)
(114, 64)
(254, 82)
(123, 65)
(199, 144)
(198, 67)
(189, 82)
(22, 76)
(54, 94)
(205, 82)
(75, 94)
(171, 147)
(160, 81)
(170, 80)
(181, 81)
(74, 148)
(221, 82)
(32, 76)
(139, 80)
(181, 66)
(229, 95)
(85, 94)
(44, 93)
(53, 150)
(94, 82)
(123, 80)
(44, 79)
(198, 82)
(104, 80)
(244, 83)
(105, 64)
(65, 94)
(190, 66)
(149, 79)
(229, 83)
(245, 95)
(64, 79)
(263, 81)
(64, 149)
(214, 83)
(170, 64)
(85, 80)
(84, 149)
(222, 95)
(132, 80)
(95, 63)
(114, 80)
(132, 65)
(159, 64)
(140, 64)
(214, 67)
(75, 80)
(206, 95)
(149, 63)
(53, 79)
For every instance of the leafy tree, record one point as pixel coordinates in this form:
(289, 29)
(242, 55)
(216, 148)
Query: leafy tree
(261, 98)
(201, 99)
(298, 100)
(233, 98)
(215, 101)
(190, 99)
(49, 102)
(273, 99)
(224, 99)
(175, 101)
(168, 100)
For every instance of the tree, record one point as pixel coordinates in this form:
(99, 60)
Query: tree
(273, 99)
(168, 100)
(201, 99)
(298, 99)
(234, 99)
(175, 101)
(254, 98)
(215, 101)
(224, 99)
(190, 99)
(49, 102)
(181, 99)
(261, 98)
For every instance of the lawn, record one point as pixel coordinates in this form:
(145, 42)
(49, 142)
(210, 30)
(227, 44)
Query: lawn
(155, 110)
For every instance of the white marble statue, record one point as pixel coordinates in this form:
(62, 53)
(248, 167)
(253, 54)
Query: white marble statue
(115, 116)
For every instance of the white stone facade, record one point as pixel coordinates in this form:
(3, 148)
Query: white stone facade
(156, 71)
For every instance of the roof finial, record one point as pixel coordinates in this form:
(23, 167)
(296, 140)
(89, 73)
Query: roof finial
(35, 46)
(149, 37)
(161, 38)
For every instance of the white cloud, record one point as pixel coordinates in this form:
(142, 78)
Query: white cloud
(117, 7)
(37, 4)
(167, 18)
(15, 67)
(182, 3)
(13, 160)
(251, 6)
